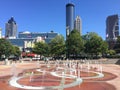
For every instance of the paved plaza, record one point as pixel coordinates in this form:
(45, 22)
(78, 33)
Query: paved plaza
(60, 75)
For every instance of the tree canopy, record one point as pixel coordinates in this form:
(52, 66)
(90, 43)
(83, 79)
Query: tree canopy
(74, 44)
(57, 46)
(7, 49)
(94, 44)
(41, 48)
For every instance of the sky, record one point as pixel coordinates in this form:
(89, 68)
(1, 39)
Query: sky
(47, 15)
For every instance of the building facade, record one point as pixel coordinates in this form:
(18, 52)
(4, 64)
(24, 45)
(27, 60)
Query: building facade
(44, 35)
(78, 24)
(112, 29)
(27, 39)
(11, 28)
(70, 13)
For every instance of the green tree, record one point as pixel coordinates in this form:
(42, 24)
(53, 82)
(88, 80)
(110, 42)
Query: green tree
(104, 48)
(111, 52)
(57, 46)
(16, 51)
(93, 44)
(41, 48)
(74, 44)
(6, 48)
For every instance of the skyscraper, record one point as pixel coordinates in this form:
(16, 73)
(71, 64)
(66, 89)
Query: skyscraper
(11, 28)
(78, 24)
(69, 18)
(112, 29)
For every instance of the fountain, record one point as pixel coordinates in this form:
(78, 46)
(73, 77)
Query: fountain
(31, 75)
(13, 70)
(38, 64)
(69, 69)
(78, 73)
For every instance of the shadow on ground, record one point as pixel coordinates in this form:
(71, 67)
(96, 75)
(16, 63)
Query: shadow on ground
(118, 62)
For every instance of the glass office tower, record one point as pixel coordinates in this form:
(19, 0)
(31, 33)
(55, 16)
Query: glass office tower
(112, 27)
(69, 18)
(112, 30)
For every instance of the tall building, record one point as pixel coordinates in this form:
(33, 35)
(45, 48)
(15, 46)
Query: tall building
(112, 29)
(78, 24)
(69, 18)
(11, 28)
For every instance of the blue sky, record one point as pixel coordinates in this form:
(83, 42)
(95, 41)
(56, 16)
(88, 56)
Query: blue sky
(47, 15)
